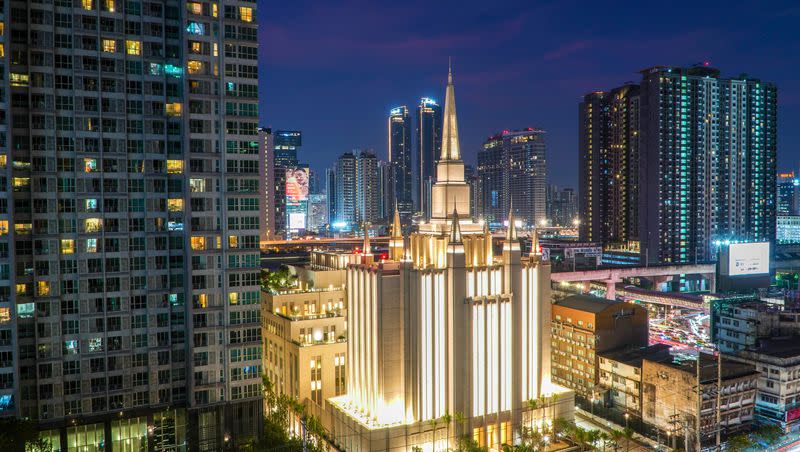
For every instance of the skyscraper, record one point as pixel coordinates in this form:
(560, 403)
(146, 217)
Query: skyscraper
(386, 193)
(608, 165)
(788, 194)
(266, 149)
(130, 317)
(562, 206)
(707, 159)
(443, 326)
(429, 146)
(286, 144)
(358, 189)
(512, 166)
(400, 158)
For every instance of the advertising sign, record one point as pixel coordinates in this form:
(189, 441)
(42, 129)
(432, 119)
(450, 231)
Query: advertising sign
(748, 259)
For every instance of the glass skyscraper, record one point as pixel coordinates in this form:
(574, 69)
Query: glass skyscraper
(400, 160)
(429, 146)
(129, 226)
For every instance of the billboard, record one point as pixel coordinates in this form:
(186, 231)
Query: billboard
(748, 259)
(297, 221)
(296, 185)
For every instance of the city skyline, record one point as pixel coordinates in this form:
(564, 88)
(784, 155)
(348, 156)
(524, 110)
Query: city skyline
(553, 67)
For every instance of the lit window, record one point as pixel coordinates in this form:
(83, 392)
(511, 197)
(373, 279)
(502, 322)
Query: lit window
(22, 289)
(195, 47)
(67, 246)
(133, 47)
(3, 227)
(109, 45)
(87, 4)
(22, 228)
(175, 205)
(90, 165)
(202, 300)
(42, 288)
(93, 225)
(198, 243)
(2, 50)
(246, 14)
(109, 5)
(96, 344)
(175, 166)
(233, 298)
(214, 11)
(216, 49)
(21, 183)
(19, 79)
(5, 315)
(91, 245)
(174, 109)
(233, 242)
(195, 8)
(71, 346)
(195, 28)
(3, 161)
(194, 67)
(91, 205)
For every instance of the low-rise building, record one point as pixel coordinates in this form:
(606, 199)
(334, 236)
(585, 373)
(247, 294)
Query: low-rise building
(621, 375)
(305, 330)
(670, 392)
(583, 326)
(778, 363)
(739, 323)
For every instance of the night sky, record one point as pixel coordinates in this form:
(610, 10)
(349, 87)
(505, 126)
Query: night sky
(334, 69)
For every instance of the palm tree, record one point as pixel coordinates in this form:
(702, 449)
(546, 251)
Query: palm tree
(533, 405)
(460, 420)
(553, 401)
(616, 436)
(604, 439)
(433, 422)
(628, 433)
(447, 419)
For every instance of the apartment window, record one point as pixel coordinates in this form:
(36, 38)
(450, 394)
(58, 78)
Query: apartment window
(88, 5)
(316, 379)
(246, 14)
(109, 45)
(194, 67)
(133, 47)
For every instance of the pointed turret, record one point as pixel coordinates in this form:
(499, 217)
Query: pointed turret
(451, 149)
(396, 244)
(455, 229)
(535, 243)
(511, 232)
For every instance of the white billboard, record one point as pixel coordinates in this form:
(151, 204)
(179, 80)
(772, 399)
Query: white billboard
(748, 259)
(297, 221)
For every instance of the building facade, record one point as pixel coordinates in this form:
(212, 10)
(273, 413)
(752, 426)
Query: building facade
(444, 326)
(126, 124)
(400, 150)
(584, 326)
(787, 229)
(608, 165)
(358, 188)
(513, 169)
(707, 159)
(788, 194)
(620, 373)
(562, 206)
(429, 146)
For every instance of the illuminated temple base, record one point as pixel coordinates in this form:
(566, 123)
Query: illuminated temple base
(351, 431)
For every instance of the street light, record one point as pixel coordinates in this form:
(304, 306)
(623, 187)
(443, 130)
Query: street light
(576, 222)
(626, 420)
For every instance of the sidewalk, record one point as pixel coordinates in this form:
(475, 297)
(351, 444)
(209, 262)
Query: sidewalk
(642, 442)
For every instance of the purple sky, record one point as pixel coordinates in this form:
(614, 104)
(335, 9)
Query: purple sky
(333, 69)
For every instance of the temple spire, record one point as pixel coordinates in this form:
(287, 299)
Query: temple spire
(455, 228)
(451, 150)
(397, 231)
(367, 245)
(511, 232)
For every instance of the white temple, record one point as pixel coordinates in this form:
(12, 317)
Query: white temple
(445, 329)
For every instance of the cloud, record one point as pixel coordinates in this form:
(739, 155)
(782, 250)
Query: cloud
(566, 50)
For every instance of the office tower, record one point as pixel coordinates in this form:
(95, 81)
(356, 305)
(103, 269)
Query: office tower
(512, 166)
(346, 182)
(429, 146)
(317, 212)
(357, 188)
(331, 194)
(266, 150)
(286, 144)
(400, 158)
(443, 326)
(386, 193)
(562, 206)
(130, 144)
(608, 165)
(707, 159)
(788, 194)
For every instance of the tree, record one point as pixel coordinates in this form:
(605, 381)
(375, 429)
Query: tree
(276, 281)
(770, 434)
(739, 443)
(447, 419)
(533, 405)
(16, 433)
(627, 432)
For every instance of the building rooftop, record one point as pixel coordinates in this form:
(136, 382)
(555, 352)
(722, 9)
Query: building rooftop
(780, 347)
(634, 356)
(708, 367)
(586, 303)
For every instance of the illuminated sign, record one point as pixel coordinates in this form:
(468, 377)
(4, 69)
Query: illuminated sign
(748, 259)
(793, 414)
(297, 221)
(426, 101)
(296, 185)
(396, 111)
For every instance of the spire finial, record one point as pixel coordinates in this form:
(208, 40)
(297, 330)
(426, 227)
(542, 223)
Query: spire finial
(449, 70)
(511, 233)
(455, 228)
(451, 149)
(397, 231)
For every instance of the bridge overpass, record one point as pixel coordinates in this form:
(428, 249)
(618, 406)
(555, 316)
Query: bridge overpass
(687, 301)
(658, 273)
(265, 244)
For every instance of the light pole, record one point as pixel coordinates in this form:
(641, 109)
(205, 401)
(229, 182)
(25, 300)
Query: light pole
(626, 420)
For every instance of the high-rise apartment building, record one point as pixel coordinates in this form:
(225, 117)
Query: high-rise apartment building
(386, 193)
(129, 317)
(707, 162)
(788, 194)
(402, 176)
(429, 146)
(608, 165)
(562, 206)
(266, 150)
(358, 188)
(443, 326)
(286, 143)
(513, 169)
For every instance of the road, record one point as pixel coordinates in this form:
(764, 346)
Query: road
(585, 420)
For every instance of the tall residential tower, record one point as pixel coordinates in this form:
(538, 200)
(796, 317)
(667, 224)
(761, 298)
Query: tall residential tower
(402, 175)
(429, 146)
